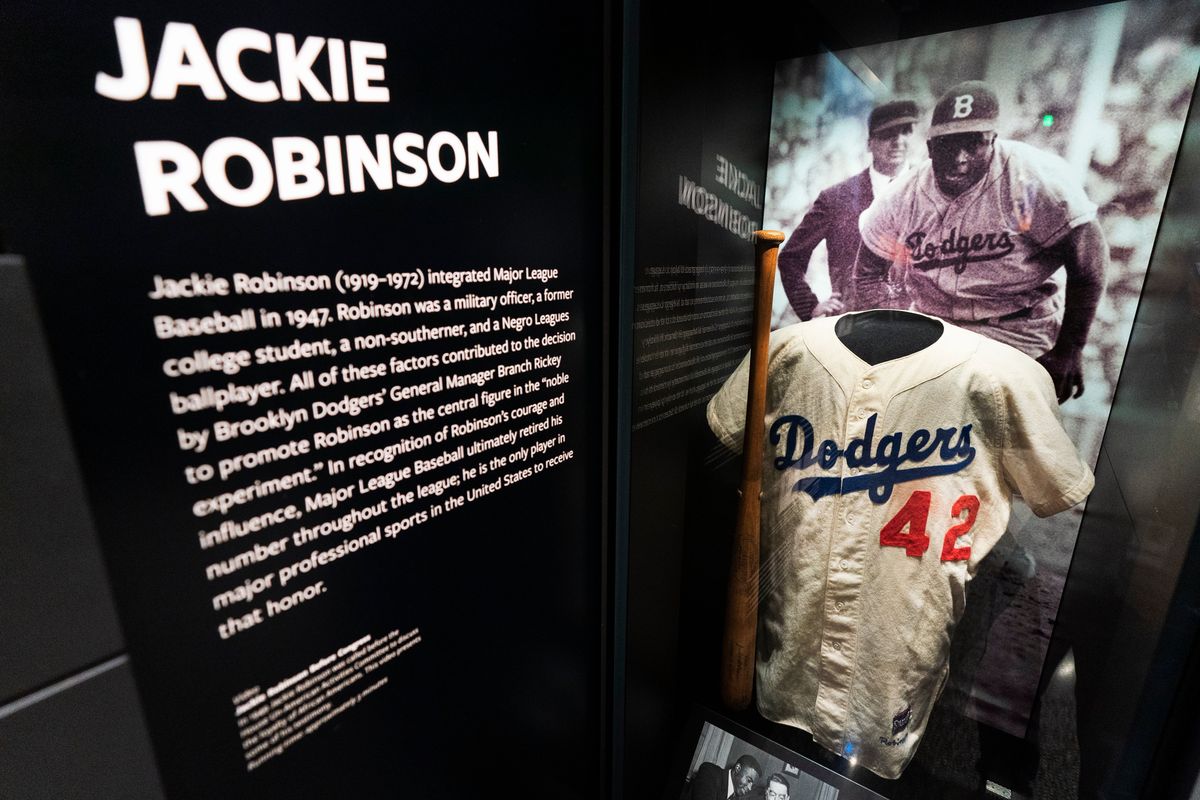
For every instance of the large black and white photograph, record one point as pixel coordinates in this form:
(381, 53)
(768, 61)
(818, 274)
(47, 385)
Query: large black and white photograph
(1007, 179)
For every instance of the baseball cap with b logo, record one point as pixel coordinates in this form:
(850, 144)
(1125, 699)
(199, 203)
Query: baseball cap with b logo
(969, 106)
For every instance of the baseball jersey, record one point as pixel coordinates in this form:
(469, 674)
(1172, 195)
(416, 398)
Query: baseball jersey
(883, 488)
(982, 255)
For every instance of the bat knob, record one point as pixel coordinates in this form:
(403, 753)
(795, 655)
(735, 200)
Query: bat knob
(769, 236)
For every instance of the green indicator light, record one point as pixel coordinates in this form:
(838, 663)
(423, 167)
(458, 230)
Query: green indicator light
(1047, 120)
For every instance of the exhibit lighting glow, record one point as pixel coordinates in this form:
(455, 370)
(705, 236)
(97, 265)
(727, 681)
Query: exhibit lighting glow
(1066, 670)
(1047, 120)
(853, 760)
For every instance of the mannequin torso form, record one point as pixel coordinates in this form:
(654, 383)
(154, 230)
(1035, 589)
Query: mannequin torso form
(883, 335)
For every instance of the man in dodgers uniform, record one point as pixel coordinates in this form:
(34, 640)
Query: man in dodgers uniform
(976, 233)
(884, 486)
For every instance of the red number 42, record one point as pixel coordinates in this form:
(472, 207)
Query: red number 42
(914, 516)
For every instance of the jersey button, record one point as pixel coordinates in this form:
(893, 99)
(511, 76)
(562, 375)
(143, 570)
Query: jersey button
(839, 605)
(866, 384)
(844, 565)
(837, 645)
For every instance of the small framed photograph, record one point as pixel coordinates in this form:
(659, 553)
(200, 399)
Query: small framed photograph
(730, 761)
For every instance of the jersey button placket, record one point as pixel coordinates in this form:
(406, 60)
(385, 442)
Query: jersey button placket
(857, 539)
(854, 548)
(842, 587)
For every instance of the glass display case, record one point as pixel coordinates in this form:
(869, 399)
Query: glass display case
(1063, 230)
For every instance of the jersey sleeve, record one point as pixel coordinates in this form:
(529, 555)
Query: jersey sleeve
(1047, 200)
(1039, 460)
(727, 408)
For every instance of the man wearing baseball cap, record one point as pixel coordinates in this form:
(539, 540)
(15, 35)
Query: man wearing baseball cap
(833, 218)
(979, 231)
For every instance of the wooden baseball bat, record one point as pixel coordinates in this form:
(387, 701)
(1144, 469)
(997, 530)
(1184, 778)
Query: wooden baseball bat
(741, 607)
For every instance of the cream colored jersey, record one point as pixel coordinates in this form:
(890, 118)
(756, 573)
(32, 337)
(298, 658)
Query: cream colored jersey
(883, 488)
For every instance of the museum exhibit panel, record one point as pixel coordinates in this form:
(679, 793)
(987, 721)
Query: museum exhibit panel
(323, 291)
(376, 382)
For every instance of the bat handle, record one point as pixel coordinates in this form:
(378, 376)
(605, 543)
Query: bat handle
(741, 608)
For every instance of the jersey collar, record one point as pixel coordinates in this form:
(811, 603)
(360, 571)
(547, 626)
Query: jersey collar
(952, 348)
